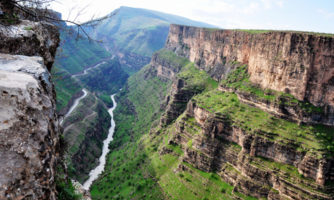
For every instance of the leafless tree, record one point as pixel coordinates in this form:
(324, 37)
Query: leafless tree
(37, 10)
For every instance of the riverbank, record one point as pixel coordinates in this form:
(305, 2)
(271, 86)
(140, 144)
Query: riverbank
(94, 174)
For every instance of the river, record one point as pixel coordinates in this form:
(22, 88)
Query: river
(76, 103)
(94, 174)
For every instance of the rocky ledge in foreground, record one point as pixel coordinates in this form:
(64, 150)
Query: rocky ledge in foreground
(28, 129)
(29, 132)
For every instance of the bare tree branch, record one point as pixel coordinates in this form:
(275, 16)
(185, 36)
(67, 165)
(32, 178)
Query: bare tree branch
(37, 9)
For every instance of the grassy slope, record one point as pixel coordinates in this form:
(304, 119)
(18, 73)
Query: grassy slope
(85, 130)
(107, 78)
(135, 169)
(139, 31)
(126, 175)
(74, 55)
(65, 86)
(254, 120)
(317, 137)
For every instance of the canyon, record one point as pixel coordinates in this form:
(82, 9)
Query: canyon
(101, 68)
(236, 111)
(215, 114)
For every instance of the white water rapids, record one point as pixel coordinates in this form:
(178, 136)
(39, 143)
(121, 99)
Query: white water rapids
(94, 174)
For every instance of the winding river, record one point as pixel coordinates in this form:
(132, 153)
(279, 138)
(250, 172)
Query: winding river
(94, 174)
(76, 103)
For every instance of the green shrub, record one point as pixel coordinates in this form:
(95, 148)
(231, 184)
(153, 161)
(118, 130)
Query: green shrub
(66, 190)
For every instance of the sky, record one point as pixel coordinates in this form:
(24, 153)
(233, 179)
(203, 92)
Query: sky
(302, 15)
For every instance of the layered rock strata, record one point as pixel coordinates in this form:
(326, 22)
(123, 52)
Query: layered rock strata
(253, 163)
(288, 75)
(300, 64)
(175, 103)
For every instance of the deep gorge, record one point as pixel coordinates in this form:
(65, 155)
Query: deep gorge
(208, 114)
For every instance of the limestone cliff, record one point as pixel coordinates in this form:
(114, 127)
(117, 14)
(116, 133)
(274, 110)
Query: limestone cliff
(267, 129)
(300, 64)
(175, 103)
(29, 131)
(254, 163)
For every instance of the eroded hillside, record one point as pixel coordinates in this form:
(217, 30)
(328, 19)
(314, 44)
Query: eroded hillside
(229, 123)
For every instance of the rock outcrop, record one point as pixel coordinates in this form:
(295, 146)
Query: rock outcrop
(255, 164)
(175, 103)
(300, 64)
(29, 132)
(30, 39)
(286, 74)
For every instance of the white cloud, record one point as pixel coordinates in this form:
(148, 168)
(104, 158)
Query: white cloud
(251, 8)
(268, 4)
(280, 3)
(325, 13)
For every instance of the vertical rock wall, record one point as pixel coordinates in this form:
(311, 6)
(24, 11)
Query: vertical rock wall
(301, 64)
(28, 122)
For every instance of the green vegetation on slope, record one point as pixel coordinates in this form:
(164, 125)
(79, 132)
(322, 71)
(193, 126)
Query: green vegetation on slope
(255, 121)
(126, 175)
(197, 80)
(135, 167)
(172, 59)
(74, 55)
(187, 184)
(107, 78)
(65, 86)
(84, 130)
(64, 186)
(138, 31)
(239, 79)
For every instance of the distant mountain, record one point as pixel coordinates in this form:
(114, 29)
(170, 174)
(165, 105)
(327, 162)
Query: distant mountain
(138, 32)
(131, 35)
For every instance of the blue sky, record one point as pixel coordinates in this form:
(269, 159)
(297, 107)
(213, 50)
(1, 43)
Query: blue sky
(304, 15)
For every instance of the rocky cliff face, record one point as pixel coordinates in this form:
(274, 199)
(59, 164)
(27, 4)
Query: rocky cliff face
(28, 122)
(247, 161)
(300, 64)
(30, 39)
(267, 129)
(175, 103)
